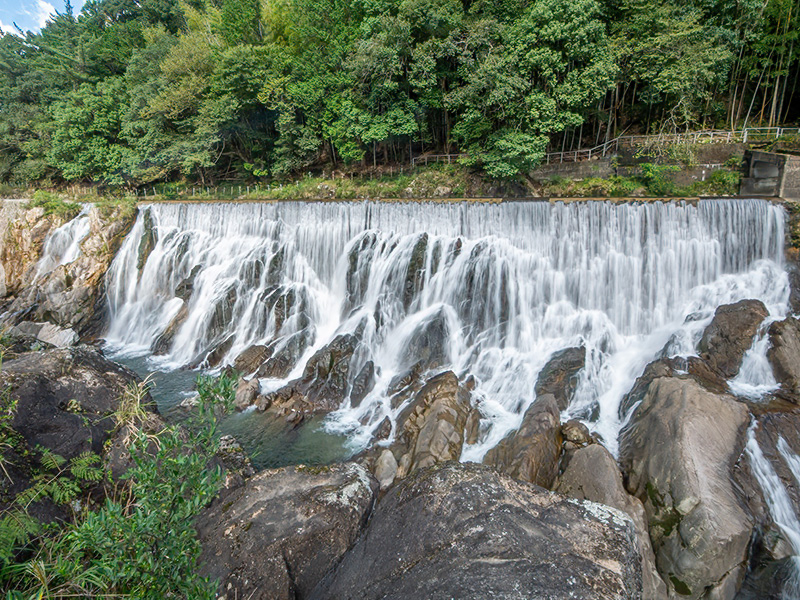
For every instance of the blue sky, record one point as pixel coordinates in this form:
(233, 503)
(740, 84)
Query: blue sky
(30, 14)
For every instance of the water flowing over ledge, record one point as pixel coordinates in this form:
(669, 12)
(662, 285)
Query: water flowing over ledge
(489, 290)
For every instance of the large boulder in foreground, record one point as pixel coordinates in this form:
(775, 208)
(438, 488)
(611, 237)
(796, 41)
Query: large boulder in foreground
(593, 474)
(531, 452)
(275, 537)
(468, 532)
(65, 398)
(678, 453)
(730, 334)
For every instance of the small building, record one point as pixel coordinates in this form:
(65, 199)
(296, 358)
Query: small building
(771, 174)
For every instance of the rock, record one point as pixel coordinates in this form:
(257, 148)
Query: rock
(185, 288)
(468, 532)
(385, 469)
(251, 359)
(246, 393)
(678, 453)
(284, 355)
(235, 462)
(218, 352)
(147, 242)
(431, 427)
(276, 536)
(784, 355)
(415, 271)
(72, 295)
(593, 474)
(559, 375)
(164, 341)
(48, 333)
(325, 377)
(67, 402)
(678, 367)
(577, 433)
(362, 384)
(730, 334)
(428, 346)
(531, 453)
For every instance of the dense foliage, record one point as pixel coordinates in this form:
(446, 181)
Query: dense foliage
(138, 540)
(138, 91)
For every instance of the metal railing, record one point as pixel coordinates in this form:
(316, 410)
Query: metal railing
(436, 158)
(711, 136)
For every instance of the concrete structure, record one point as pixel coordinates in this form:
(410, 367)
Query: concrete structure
(771, 174)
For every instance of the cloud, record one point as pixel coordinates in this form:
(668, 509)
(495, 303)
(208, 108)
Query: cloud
(43, 12)
(7, 28)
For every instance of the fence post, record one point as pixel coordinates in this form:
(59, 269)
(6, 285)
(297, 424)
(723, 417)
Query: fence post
(744, 138)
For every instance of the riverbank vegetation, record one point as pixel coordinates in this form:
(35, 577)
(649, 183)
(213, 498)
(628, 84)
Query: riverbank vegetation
(130, 535)
(137, 92)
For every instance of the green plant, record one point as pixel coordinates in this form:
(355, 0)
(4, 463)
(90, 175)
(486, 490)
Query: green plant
(655, 178)
(54, 205)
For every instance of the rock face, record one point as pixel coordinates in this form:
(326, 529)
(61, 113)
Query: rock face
(784, 356)
(678, 453)
(276, 536)
(593, 474)
(531, 453)
(69, 296)
(48, 333)
(431, 427)
(465, 531)
(730, 334)
(65, 401)
(559, 375)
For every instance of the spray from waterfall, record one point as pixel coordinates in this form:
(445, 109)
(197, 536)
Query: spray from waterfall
(489, 290)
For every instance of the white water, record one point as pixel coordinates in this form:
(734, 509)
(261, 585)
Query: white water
(778, 502)
(63, 245)
(513, 283)
(755, 378)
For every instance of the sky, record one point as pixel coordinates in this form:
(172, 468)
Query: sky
(30, 14)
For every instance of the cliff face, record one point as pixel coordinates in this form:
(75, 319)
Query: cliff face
(53, 269)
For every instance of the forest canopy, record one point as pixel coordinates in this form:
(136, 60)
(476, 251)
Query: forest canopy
(131, 92)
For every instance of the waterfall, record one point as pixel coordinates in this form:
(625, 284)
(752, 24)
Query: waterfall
(502, 286)
(755, 378)
(63, 245)
(778, 502)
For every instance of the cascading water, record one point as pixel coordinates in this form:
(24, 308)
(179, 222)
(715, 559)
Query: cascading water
(63, 245)
(779, 503)
(500, 286)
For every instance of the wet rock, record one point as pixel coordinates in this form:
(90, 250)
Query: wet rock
(251, 359)
(246, 393)
(218, 353)
(148, 240)
(679, 367)
(362, 384)
(284, 355)
(730, 334)
(468, 532)
(784, 355)
(384, 430)
(431, 427)
(275, 537)
(593, 474)
(678, 453)
(531, 453)
(185, 288)
(223, 312)
(560, 375)
(415, 271)
(428, 346)
(164, 341)
(325, 377)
